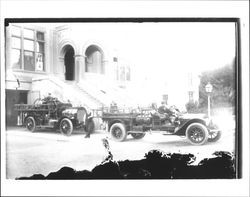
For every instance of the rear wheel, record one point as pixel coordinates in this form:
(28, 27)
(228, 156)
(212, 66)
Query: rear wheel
(138, 135)
(31, 124)
(197, 134)
(66, 126)
(118, 132)
(214, 136)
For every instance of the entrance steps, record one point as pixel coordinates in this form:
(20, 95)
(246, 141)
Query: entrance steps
(66, 91)
(108, 93)
(83, 94)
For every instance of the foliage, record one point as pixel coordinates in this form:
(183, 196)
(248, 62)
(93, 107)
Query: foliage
(193, 107)
(223, 81)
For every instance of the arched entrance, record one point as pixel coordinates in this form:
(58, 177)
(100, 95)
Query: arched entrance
(94, 60)
(69, 62)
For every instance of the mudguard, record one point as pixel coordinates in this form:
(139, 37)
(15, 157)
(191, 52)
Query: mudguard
(182, 129)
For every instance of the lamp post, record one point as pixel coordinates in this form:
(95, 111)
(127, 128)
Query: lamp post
(209, 89)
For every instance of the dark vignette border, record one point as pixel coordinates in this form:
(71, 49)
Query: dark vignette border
(115, 20)
(238, 82)
(238, 101)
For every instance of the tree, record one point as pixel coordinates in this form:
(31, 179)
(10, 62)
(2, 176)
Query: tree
(223, 81)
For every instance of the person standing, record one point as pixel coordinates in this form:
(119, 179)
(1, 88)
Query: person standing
(90, 126)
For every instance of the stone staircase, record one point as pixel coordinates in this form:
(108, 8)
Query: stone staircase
(83, 94)
(98, 103)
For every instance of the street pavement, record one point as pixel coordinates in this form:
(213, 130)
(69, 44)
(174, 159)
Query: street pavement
(47, 151)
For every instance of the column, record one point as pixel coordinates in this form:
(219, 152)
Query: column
(79, 67)
(61, 68)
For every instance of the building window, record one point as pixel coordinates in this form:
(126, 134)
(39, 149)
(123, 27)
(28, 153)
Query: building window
(27, 52)
(94, 60)
(190, 79)
(16, 60)
(40, 51)
(123, 73)
(165, 98)
(191, 96)
(127, 73)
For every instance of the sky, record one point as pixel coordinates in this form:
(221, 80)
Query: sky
(156, 48)
(163, 54)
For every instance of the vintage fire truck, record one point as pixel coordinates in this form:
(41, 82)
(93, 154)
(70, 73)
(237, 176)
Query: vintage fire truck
(198, 130)
(54, 114)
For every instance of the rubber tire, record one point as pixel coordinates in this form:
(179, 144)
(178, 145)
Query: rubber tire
(214, 139)
(123, 132)
(90, 126)
(138, 135)
(32, 120)
(202, 128)
(70, 125)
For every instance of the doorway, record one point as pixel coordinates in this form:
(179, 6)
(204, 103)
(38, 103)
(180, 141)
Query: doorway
(69, 62)
(13, 97)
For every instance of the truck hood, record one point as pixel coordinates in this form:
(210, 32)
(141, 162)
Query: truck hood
(192, 116)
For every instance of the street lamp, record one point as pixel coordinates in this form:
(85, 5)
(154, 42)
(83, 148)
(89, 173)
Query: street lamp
(209, 89)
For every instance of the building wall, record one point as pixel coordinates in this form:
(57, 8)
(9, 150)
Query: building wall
(38, 83)
(57, 38)
(81, 39)
(19, 78)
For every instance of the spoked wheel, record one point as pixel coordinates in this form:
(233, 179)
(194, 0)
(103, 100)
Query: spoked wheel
(66, 126)
(138, 135)
(31, 124)
(118, 132)
(197, 134)
(214, 136)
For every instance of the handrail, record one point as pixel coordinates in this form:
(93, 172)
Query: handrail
(88, 90)
(50, 79)
(59, 84)
(115, 93)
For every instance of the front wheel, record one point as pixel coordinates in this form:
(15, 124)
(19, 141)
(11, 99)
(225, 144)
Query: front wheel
(214, 136)
(118, 132)
(31, 124)
(66, 126)
(197, 134)
(138, 135)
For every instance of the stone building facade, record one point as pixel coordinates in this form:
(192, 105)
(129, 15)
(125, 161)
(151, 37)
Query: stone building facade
(75, 63)
(43, 59)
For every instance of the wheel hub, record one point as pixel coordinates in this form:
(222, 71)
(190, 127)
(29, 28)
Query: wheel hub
(64, 126)
(117, 133)
(197, 135)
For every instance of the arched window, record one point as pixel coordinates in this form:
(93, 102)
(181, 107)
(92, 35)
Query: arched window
(94, 60)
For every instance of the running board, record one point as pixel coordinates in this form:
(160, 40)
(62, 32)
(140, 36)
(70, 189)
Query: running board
(152, 131)
(45, 127)
(129, 132)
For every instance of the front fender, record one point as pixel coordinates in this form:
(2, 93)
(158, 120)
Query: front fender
(182, 128)
(64, 117)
